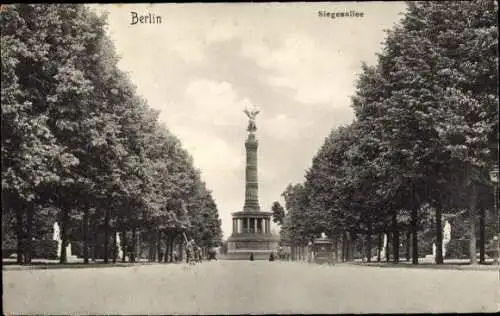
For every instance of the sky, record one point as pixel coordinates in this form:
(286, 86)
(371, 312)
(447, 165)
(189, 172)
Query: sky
(206, 62)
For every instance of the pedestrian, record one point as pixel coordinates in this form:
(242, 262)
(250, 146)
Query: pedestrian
(251, 256)
(271, 256)
(190, 252)
(200, 254)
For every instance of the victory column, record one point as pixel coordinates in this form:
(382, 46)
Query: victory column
(251, 227)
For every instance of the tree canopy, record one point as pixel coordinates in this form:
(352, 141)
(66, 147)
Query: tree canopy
(424, 137)
(77, 137)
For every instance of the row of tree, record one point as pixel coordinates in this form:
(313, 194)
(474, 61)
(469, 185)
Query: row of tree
(80, 147)
(424, 138)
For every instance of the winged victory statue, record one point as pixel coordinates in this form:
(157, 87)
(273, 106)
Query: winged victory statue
(252, 127)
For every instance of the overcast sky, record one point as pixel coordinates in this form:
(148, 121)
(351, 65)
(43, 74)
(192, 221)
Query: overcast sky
(205, 62)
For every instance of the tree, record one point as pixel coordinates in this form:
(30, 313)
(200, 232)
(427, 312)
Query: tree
(278, 213)
(424, 113)
(78, 140)
(450, 92)
(32, 158)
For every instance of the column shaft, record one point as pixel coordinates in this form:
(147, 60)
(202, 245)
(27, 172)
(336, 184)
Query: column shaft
(251, 181)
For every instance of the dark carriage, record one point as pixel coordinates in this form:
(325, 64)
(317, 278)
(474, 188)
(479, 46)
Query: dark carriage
(322, 249)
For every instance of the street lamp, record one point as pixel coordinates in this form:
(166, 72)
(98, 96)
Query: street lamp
(494, 180)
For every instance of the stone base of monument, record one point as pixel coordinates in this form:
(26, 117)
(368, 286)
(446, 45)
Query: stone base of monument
(240, 246)
(245, 255)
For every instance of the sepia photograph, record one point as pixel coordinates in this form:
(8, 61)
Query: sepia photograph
(250, 158)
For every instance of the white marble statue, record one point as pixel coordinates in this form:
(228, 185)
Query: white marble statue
(446, 239)
(57, 232)
(57, 237)
(119, 246)
(68, 251)
(384, 247)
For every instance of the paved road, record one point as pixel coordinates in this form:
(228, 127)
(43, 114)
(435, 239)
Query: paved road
(244, 287)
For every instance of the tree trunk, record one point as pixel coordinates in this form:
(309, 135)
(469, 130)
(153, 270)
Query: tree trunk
(350, 246)
(134, 244)
(439, 236)
(347, 247)
(138, 247)
(472, 228)
(395, 250)
(166, 240)
(171, 247)
(106, 235)
(28, 250)
(86, 235)
(171, 240)
(379, 246)
(124, 244)
(175, 247)
(497, 215)
(158, 245)
(395, 238)
(167, 246)
(152, 245)
(388, 246)
(347, 241)
(369, 247)
(414, 233)
(363, 248)
(20, 234)
(408, 243)
(94, 240)
(344, 245)
(181, 251)
(95, 234)
(351, 242)
(64, 235)
(482, 236)
(115, 245)
(337, 249)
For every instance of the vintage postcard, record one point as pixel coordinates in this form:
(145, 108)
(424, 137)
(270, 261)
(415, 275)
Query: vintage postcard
(250, 158)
